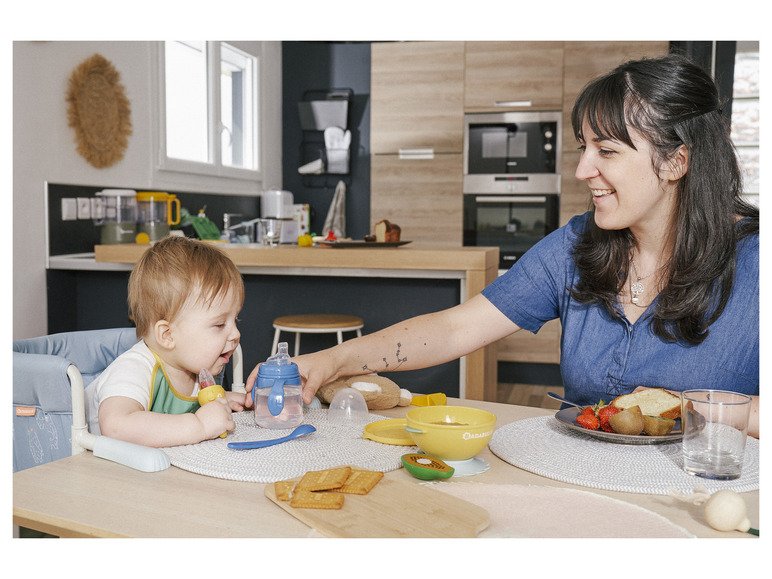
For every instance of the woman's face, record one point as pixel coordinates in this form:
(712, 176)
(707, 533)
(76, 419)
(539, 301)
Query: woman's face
(626, 190)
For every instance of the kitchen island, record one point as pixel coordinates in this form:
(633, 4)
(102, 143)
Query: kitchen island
(467, 269)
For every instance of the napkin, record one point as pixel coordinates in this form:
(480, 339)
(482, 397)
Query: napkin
(554, 512)
(336, 216)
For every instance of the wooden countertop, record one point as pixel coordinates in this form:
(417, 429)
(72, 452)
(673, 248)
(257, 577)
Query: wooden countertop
(415, 257)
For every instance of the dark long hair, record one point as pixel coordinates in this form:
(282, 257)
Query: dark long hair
(671, 102)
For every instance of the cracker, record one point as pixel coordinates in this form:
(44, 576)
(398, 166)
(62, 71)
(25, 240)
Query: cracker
(360, 482)
(283, 489)
(324, 480)
(313, 500)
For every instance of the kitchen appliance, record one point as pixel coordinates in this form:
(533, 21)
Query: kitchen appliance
(511, 180)
(156, 213)
(513, 223)
(279, 204)
(276, 204)
(512, 152)
(115, 212)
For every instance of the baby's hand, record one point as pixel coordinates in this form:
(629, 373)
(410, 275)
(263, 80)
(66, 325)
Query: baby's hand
(215, 418)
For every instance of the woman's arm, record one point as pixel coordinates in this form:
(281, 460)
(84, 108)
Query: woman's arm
(419, 342)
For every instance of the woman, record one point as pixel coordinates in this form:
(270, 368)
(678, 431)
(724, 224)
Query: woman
(656, 286)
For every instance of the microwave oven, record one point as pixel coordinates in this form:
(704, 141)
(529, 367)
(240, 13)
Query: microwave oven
(512, 152)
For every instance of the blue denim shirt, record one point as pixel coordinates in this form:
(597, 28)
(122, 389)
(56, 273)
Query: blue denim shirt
(603, 357)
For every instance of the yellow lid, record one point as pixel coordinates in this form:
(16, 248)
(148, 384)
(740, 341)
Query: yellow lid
(154, 196)
(390, 431)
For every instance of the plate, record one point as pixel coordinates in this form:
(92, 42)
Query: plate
(390, 431)
(567, 417)
(364, 244)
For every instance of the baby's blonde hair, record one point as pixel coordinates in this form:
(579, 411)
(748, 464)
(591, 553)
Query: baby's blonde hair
(174, 270)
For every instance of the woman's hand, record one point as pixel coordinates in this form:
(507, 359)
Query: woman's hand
(236, 401)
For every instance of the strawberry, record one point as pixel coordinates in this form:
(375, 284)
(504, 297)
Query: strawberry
(589, 421)
(588, 410)
(604, 414)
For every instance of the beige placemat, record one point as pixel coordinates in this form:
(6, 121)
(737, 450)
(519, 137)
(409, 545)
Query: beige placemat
(552, 512)
(330, 446)
(543, 446)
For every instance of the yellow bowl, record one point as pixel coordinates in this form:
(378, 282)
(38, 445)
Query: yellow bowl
(450, 432)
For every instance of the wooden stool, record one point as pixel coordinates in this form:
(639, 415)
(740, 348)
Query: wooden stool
(315, 324)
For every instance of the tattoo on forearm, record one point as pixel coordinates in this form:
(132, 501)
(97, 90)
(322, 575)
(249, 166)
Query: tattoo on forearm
(387, 365)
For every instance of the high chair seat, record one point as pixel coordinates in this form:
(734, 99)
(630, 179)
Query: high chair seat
(315, 324)
(50, 374)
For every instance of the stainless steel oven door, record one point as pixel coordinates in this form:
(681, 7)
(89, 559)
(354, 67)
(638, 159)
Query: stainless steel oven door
(513, 223)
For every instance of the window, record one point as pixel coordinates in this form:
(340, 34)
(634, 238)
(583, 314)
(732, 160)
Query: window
(745, 115)
(209, 119)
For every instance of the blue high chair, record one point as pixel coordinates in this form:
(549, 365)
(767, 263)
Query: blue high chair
(50, 374)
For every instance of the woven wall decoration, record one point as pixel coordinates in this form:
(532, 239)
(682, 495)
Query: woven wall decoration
(99, 112)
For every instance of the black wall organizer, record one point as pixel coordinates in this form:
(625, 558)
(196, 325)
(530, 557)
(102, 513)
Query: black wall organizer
(325, 148)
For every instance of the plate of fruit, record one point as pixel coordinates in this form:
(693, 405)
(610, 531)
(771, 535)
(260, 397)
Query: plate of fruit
(618, 421)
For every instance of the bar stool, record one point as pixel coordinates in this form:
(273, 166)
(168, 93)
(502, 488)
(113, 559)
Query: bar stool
(315, 324)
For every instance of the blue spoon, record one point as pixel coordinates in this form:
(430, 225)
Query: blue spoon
(301, 430)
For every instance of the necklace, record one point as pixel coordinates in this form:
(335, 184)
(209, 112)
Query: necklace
(636, 287)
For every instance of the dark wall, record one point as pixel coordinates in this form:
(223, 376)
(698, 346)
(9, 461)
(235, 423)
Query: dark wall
(314, 66)
(97, 299)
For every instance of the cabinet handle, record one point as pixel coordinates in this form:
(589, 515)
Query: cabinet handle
(511, 199)
(513, 104)
(417, 153)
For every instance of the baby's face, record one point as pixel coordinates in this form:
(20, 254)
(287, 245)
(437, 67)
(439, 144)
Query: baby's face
(205, 334)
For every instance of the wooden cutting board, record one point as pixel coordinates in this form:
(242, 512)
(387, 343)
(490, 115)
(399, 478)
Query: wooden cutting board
(394, 508)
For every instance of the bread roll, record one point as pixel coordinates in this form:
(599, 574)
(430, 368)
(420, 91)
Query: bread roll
(653, 402)
(386, 231)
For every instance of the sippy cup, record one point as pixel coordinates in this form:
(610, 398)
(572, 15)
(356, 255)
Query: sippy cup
(278, 394)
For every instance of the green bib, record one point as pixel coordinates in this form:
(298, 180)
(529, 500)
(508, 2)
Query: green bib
(164, 398)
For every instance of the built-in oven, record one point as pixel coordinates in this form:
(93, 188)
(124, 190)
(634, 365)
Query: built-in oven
(513, 223)
(511, 180)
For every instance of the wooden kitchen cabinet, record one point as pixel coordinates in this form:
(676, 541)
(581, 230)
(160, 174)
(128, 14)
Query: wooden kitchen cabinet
(422, 196)
(523, 346)
(501, 76)
(416, 97)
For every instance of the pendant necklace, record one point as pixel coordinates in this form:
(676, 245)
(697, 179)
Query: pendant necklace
(636, 287)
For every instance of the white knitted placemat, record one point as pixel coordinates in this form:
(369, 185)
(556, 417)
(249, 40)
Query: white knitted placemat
(545, 447)
(330, 446)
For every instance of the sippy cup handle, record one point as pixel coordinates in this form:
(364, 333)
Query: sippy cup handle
(276, 398)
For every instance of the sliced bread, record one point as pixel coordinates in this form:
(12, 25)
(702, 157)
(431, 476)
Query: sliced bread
(653, 402)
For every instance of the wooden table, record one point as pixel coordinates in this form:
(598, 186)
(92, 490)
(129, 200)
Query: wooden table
(84, 496)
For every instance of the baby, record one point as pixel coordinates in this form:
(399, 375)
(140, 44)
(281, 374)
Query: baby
(184, 298)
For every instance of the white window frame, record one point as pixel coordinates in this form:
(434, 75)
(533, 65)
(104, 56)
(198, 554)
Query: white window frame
(214, 167)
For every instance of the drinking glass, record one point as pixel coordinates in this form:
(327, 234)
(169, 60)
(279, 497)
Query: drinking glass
(270, 229)
(715, 427)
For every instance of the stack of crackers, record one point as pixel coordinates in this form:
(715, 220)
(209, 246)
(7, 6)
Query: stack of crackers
(324, 489)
